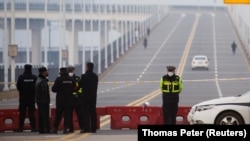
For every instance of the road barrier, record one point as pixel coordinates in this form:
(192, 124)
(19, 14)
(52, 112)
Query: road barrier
(130, 117)
(120, 117)
(9, 120)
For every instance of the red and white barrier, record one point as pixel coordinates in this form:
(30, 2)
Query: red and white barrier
(120, 117)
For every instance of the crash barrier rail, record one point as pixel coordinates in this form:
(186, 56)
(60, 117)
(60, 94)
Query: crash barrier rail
(120, 117)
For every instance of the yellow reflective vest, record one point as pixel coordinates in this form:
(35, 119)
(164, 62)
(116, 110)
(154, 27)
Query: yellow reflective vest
(79, 89)
(171, 85)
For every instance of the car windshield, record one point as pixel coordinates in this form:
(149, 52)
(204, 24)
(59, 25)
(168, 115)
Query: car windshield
(199, 58)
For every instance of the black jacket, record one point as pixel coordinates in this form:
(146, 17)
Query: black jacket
(26, 86)
(63, 87)
(145, 42)
(42, 90)
(89, 85)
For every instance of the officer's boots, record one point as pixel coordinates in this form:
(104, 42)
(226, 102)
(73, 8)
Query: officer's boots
(66, 131)
(54, 131)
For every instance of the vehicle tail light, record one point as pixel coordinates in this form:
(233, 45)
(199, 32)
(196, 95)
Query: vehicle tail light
(206, 62)
(193, 62)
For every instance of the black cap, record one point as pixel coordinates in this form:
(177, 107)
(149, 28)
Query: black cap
(171, 68)
(63, 70)
(27, 67)
(42, 69)
(90, 66)
(71, 68)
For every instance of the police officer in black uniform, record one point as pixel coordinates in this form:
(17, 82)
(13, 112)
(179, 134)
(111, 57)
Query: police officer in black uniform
(43, 100)
(89, 84)
(26, 87)
(148, 31)
(171, 86)
(145, 42)
(76, 103)
(234, 46)
(63, 87)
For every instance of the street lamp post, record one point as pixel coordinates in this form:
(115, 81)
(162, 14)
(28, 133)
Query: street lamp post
(214, 5)
(13, 86)
(5, 56)
(83, 43)
(12, 54)
(28, 34)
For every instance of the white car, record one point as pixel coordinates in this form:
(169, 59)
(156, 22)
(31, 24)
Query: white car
(200, 61)
(233, 110)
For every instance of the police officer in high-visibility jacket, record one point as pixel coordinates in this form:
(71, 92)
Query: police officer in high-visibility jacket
(171, 86)
(76, 103)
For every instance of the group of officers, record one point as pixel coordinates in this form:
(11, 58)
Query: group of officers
(73, 93)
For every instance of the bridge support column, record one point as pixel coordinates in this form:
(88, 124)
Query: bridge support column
(126, 34)
(36, 31)
(106, 42)
(73, 44)
(122, 39)
(111, 37)
(117, 40)
(131, 33)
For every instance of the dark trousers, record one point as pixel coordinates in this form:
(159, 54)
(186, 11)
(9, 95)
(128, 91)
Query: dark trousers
(62, 111)
(233, 50)
(77, 107)
(89, 116)
(23, 106)
(170, 110)
(43, 118)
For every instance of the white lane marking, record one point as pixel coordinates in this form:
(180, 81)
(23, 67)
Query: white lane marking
(122, 85)
(162, 45)
(215, 60)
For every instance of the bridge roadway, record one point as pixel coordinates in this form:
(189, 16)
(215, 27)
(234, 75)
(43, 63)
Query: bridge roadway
(173, 42)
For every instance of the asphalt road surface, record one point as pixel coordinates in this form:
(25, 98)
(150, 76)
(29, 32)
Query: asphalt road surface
(179, 37)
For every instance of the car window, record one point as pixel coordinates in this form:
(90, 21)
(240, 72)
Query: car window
(200, 58)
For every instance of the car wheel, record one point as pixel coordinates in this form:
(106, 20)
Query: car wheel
(207, 68)
(229, 118)
(192, 68)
